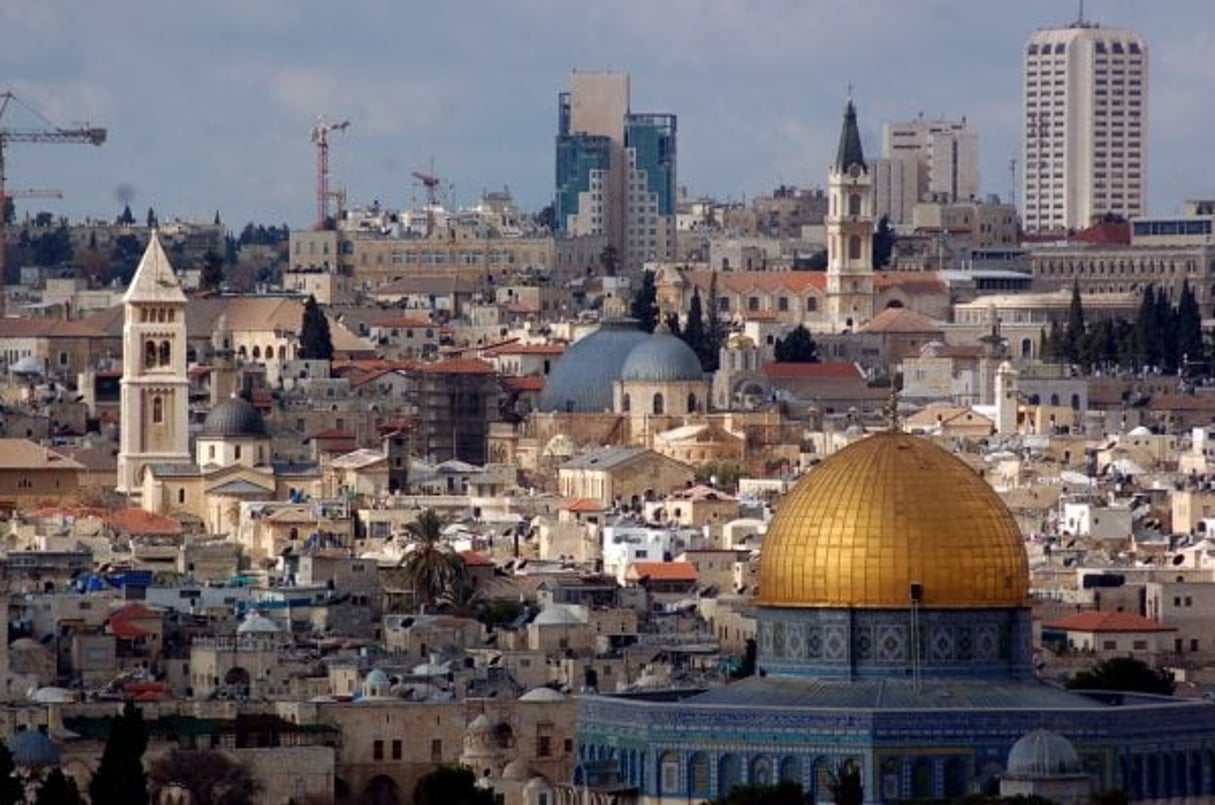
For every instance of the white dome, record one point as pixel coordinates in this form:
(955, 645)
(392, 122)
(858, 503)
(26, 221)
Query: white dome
(517, 771)
(542, 694)
(480, 724)
(559, 615)
(257, 623)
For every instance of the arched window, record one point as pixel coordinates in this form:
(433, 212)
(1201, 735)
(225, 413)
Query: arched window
(698, 775)
(181, 495)
(165, 353)
(149, 354)
(668, 770)
(854, 247)
(854, 204)
(791, 770)
(658, 407)
(761, 772)
(257, 353)
(158, 410)
(1027, 348)
(625, 403)
(729, 773)
(955, 778)
(691, 403)
(270, 352)
(922, 779)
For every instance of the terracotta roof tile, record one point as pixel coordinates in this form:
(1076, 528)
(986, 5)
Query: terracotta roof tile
(818, 371)
(1097, 621)
(138, 522)
(663, 571)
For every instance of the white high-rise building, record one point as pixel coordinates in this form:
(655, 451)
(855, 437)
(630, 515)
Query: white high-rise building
(946, 153)
(1085, 126)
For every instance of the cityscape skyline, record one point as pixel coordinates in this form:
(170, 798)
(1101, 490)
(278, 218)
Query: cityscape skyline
(758, 96)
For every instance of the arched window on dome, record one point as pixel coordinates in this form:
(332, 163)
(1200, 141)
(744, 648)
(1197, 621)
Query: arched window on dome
(729, 772)
(149, 355)
(166, 353)
(691, 403)
(158, 410)
(922, 779)
(854, 204)
(626, 403)
(658, 404)
(257, 353)
(668, 773)
(698, 775)
(854, 247)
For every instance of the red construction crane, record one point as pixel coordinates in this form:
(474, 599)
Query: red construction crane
(432, 184)
(88, 135)
(320, 136)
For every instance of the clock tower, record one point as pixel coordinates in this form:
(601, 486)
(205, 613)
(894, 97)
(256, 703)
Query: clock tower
(849, 232)
(154, 392)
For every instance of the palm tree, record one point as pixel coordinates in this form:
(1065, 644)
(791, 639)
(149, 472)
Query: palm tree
(431, 565)
(464, 599)
(211, 777)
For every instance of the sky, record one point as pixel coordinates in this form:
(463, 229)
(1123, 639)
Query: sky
(210, 103)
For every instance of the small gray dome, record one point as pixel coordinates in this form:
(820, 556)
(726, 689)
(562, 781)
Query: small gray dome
(257, 623)
(234, 418)
(1042, 753)
(662, 358)
(581, 381)
(32, 749)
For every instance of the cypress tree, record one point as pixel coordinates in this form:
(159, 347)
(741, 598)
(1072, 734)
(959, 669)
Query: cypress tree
(120, 778)
(1074, 334)
(1147, 348)
(797, 347)
(1166, 326)
(644, 306)
(1189, 327)
(316, 343)
(694, 331)
(714, 329)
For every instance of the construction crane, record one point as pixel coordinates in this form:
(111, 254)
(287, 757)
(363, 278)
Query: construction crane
(87, 135)
(320, 136)
(432, 184)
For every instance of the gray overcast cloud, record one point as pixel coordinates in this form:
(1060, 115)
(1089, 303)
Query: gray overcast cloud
(209, 104)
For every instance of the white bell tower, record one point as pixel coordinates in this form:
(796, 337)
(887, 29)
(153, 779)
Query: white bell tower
(155, 387)
(849, 232)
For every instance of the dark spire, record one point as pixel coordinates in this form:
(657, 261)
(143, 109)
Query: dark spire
(850, 152)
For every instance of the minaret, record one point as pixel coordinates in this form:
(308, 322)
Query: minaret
(1006, 399)
(223, 362)
(155, 387)
(849, 232)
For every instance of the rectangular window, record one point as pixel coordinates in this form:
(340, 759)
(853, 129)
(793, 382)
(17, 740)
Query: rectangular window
(1109, 645)
(377, 750)
(436, 750)
(396, 749)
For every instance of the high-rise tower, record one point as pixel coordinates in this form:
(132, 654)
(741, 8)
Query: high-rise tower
(155, 387)
(615, 170)
(849, 231)
(1085, 126)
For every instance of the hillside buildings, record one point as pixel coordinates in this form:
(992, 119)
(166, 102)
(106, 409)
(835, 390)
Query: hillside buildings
(1085, 126)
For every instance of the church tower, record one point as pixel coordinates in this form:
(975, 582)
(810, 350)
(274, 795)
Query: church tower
(849, 232)
(154, 425)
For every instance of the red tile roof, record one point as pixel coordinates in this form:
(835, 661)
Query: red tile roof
(474, 559)
(818, 371)
(138, 522)
(525, 383)
(585, 505)
(663, 571)
(1095, 621)
(525, 349)
(459, 366)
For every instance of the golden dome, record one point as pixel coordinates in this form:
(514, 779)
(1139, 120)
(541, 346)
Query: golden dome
(887, 512)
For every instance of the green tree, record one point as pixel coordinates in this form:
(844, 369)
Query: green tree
(1166, 322)
(715, 329)
(11, 789)
(212, 275)
(797, 347)
(1189, 327)
(120, 778)
(58, 789)
(747, 667)
(211, 777)
(1073, 335)
(433, 568)
(783, 793)
(884, 239)
(9, 213)
(152, 221)
(609, 260)
(450, 785)
(644, 307)
(53, 248)
(1124, 674)
(1147, 337)
(126, 218)
(316, 343)
(845, 784)
(693, 332)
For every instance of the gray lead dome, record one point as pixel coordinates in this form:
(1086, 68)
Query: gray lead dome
(234, 417)
(662, 358)
(1042, 753)
(581, 382)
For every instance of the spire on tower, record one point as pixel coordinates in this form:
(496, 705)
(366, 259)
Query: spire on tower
(154, 280)
(850, 152)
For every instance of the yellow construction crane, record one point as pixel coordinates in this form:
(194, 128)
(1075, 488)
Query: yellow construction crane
(87, 135)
